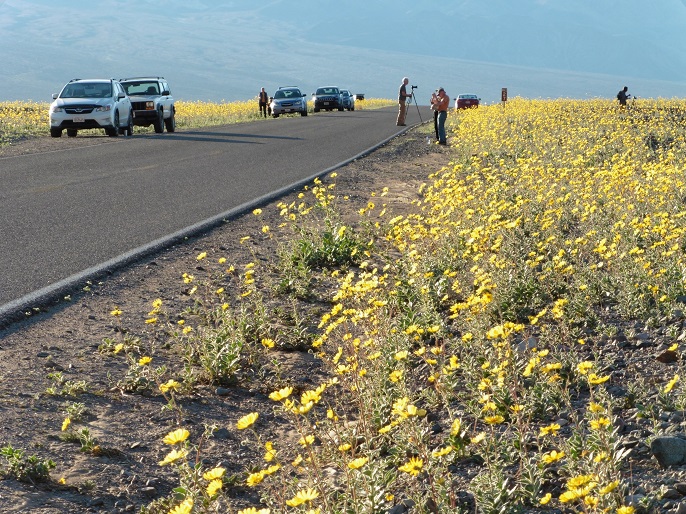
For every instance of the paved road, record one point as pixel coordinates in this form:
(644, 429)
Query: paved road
(64, 212)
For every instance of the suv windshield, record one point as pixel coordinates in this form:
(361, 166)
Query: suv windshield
(287, 93)
(87, 90)
(141, 88)
(327, 91)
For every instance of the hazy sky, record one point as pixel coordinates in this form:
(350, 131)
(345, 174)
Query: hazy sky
(228, 49)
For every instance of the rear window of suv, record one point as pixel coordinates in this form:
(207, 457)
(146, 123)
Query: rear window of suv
(141, 88)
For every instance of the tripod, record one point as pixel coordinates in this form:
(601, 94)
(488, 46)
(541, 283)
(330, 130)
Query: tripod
(414, 97)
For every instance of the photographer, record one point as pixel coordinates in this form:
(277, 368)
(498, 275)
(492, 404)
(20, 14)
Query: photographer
(403, 95)
(434, 104)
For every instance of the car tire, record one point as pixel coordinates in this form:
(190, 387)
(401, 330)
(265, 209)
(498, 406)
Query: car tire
(341, 108)
(316, 109)
(170, 123)
(303, 113)
(55, 132)
(72, 132)
(159, 123)
(275, 115)
(114, 130)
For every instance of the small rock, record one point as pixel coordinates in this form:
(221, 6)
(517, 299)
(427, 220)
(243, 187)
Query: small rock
(403, 507)
(527, 344)
(680, 509)
(150, 491)
(671, 494)
(681, 487)
(43, 355)
(668, 357)
(223, 391)
(669, 451)
(221, 433)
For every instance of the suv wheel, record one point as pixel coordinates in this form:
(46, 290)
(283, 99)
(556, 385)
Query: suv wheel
(55, 132)
(171, 122)
(71, 132)
(316, 109)
(303, 113)
(114, 130)
(159, 123)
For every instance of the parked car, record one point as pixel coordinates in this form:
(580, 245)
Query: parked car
(327, 98)
(152, 101)
(91, 104)
(466, 101)
(348, 100)
(288, 99)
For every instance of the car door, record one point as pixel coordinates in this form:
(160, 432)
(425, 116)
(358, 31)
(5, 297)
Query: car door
(166, 102)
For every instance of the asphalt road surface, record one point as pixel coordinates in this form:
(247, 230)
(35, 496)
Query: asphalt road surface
(63, 213)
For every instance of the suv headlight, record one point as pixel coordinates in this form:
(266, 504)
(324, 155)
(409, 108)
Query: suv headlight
(149, 106)
(54, 108)
(103, 108)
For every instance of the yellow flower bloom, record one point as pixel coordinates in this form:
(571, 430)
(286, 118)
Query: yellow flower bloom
(177, 436)
(173, 456)
(65, 424)
(268, 343)
(670, 385)
(306, 440)
(545, 500)
(185, 507)
(169, 385)
(303, 496)
(549, 430)
(255, 478)
(116, 312)
(413, 466)
(253, 510)
(626, 510)
(270, 452)
(214, 487)
(144, 361)
(552, 456)
(281, 394)
(214, 474)
(247, 420)
(395, 376)
(594, 379)
(358, 463)
(201, 256)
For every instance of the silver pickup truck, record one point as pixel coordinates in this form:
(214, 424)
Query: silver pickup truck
(152, 102)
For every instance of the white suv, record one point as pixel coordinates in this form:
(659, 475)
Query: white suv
(91, 104)
(152, 102)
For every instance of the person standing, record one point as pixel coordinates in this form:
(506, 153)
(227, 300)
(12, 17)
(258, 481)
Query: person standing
(403, 95)
(442, 108)
(434, 103)
(262, 99)
(623, 96)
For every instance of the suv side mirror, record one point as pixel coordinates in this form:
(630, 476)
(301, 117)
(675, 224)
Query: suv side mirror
(121, 95)
(54, 96)
(166, 93)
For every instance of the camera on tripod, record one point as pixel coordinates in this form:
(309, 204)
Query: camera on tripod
(414, 87)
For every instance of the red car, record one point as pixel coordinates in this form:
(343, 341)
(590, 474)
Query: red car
(466, 101)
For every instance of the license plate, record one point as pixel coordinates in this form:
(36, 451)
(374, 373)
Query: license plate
(326, 103)
(288, 110)
(79, 119)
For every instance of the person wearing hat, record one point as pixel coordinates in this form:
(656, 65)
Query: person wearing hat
(441, 106)
(403, 95)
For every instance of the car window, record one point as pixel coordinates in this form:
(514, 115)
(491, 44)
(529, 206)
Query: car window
(327, 91)
(87, 90)
(142, 88)
(287, 93)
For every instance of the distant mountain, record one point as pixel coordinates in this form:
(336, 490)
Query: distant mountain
(221, 49)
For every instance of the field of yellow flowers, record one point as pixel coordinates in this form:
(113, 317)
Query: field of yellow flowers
(509, 341)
